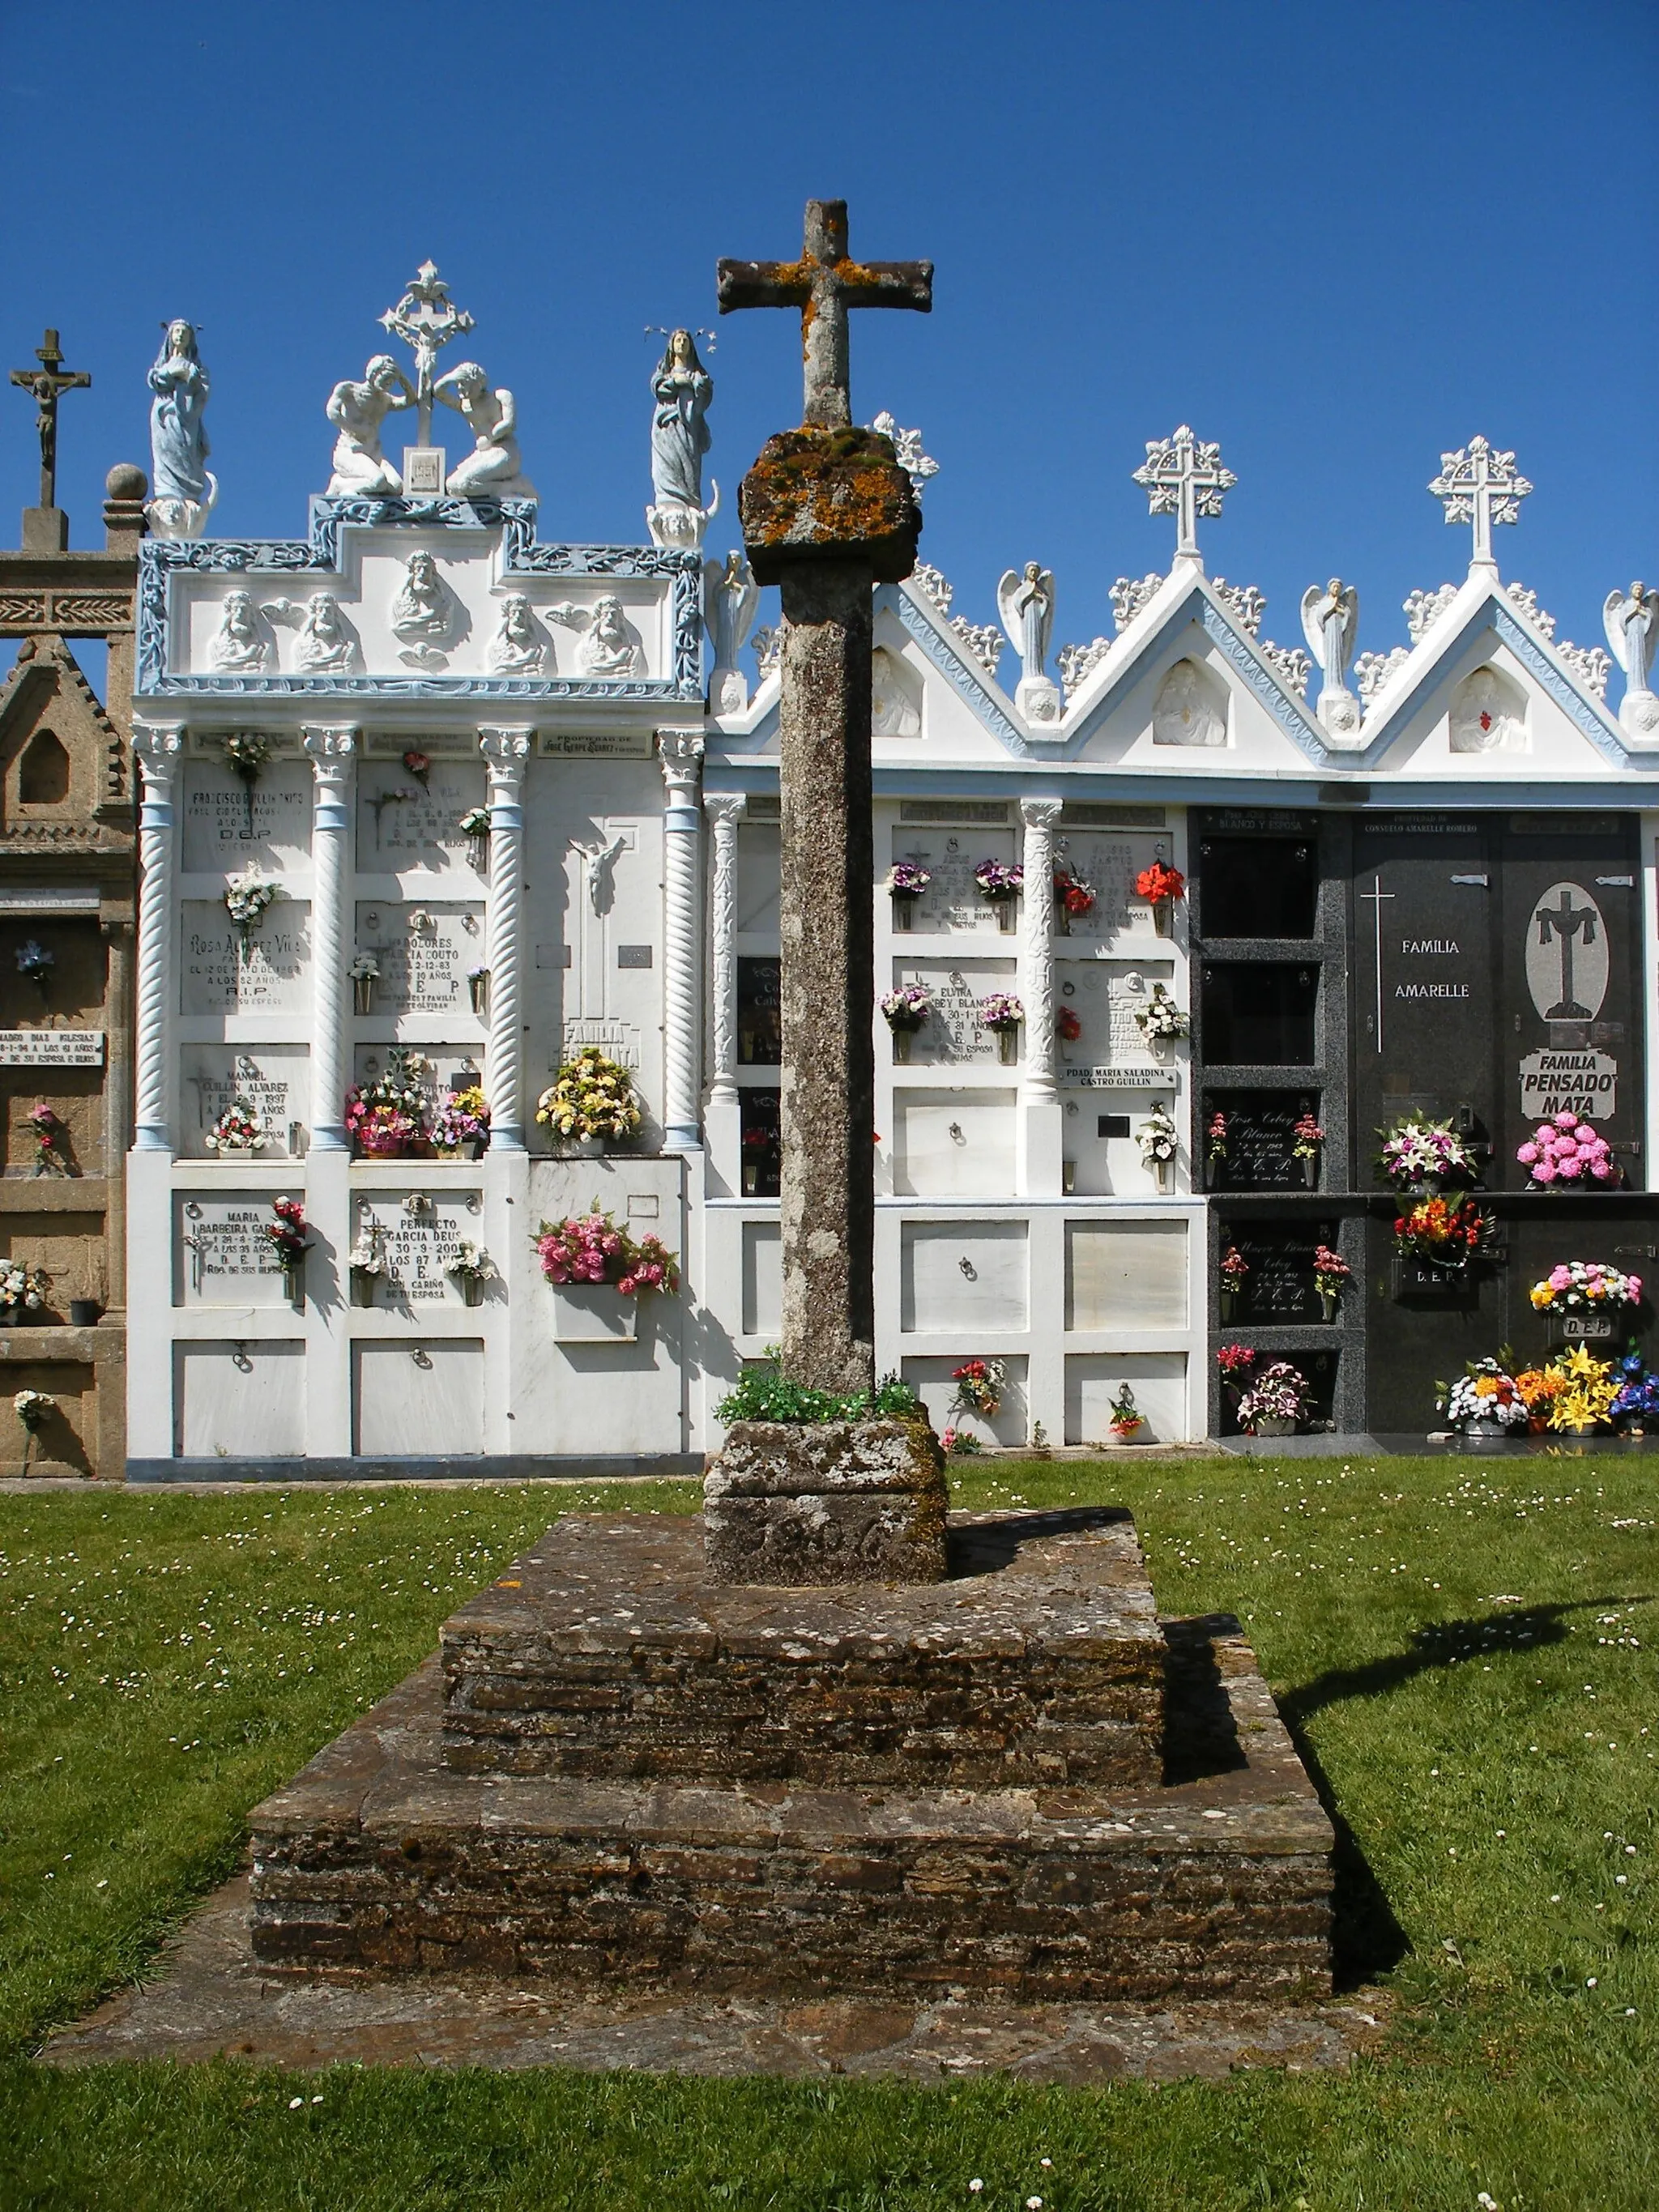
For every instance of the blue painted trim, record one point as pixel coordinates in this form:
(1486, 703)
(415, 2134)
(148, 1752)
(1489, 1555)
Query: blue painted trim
(321, 554)
(957, 669)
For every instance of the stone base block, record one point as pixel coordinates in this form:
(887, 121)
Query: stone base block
(794, 1504)
(378, 1860)
(608, 1651)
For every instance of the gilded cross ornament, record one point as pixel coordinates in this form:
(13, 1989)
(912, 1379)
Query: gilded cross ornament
(1478, 485)
(426, 319)
(1182, 475)
(825, 283)
(48, 383)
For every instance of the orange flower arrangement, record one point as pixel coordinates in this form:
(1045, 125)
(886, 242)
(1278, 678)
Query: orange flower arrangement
(1159, 883)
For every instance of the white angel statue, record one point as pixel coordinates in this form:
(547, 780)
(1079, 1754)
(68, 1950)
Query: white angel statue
(730, 597)
(1025, 600)
(1330, 622)
(1631, 622)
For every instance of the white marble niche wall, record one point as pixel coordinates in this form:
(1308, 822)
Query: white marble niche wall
(594, 918)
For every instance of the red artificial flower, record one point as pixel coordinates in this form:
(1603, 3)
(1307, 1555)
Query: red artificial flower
(1158, 882)
(1067, 1025)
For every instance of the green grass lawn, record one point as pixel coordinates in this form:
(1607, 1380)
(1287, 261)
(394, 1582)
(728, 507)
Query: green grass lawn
(1467, 1650)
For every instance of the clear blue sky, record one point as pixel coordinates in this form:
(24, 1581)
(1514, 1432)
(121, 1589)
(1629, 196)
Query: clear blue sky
(1337, 238)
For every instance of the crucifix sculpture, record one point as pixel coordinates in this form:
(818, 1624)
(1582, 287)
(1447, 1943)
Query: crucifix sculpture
(1564, 923)
(824, 284)
(426, 319)
(828, 512)
(48, 383)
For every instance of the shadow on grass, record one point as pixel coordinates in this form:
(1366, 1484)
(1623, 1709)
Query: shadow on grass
(1367, 1939)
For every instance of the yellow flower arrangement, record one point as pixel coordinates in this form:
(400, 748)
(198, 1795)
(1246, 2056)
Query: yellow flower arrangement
(1586, 1393)
(590, 1097)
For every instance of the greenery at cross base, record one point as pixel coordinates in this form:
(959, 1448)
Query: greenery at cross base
(1466, 1648)
(762, 1392)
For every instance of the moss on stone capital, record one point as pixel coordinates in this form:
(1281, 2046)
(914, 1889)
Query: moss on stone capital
(839, 494)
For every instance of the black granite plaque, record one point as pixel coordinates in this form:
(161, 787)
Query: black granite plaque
(1425, 998)
(1569, 959)
(759, 1144)
(1261, 1013)
(1280, 1286)
(1261, 1140)
(1258, 886)
(760, 1036)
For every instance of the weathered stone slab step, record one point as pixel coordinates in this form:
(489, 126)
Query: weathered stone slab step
(609, 1652)
(379, 1859)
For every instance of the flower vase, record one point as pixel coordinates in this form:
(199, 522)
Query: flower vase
(1161, 1048)
(903, 910)
(1327, 1305)
(481, 853)
(586, 1148)
(1163, 917)
(902, 1047)
(1310, 1170)
(472, 1289)
(362, 987)
(9, 1316)
(473, 1148)
(294, 1282)
(1007, 916)
(750, 1177)
(1229, 1307)
(478, 991)
(1161, 1172)
(1212, 1173)
(1062, 919)
(1487, 1431)
(84, 1313)
(1008, 1048)
(362, 1286)
(1273, 1425)
(1125, 1432)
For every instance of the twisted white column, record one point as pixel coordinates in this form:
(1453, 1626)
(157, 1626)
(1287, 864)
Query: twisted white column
(158, 749)
(506, 755)
(1037, 970)
(725, 811)
(680, 755)
(333, 757)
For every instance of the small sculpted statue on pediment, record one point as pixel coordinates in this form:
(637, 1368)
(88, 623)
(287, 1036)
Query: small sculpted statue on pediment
(358, 412)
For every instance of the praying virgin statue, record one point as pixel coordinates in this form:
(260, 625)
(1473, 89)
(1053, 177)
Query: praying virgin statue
(681, 389)
(184, 492)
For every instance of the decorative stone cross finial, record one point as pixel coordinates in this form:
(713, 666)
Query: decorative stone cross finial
(1182, 475)
(825, 283)
(426, 319)
(1481, 486)
(48, 383)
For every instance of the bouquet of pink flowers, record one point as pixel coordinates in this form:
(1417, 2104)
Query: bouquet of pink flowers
(907, 880)
(589, 1247)
(1000, 881)
(289, 1235)
(1567, 1149)
(999, 1010)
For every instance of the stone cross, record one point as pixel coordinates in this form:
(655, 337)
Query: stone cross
(828, 512)
(48, 383)
(1483, 487)
(824, 284)
(426, 319)
(1184, 476)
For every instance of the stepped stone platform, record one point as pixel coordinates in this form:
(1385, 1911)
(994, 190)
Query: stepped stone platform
(620, 1771)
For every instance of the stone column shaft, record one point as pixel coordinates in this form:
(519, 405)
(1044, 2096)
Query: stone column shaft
(828, 1085)
(1037, 976)
(725, 811)
(331, 753)
(506, 755)
(680, 755)
(117, 1100)
(157, 750)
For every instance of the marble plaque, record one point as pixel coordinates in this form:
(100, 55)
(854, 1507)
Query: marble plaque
(1159, 1381)
(425, 955)
(271, 1078)
(1109, 1052)
(1109, 861)
(226, 828)
(953, 900)
(1126, 1274)
(220, 975)
(953, 1144)
(52, 1047)
(419, 1400)
(1260, 1138)
(595, 744)
(239, 1400)
(403, 822)
(418, 1231)
(963, 1276)
(1280, 1286)
(953, 1034)
(224, 1258)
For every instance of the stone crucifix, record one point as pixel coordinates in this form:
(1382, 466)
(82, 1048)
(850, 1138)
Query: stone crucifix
(47, 384)
(828, 513)
(1182, 475)
(1478, 485)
